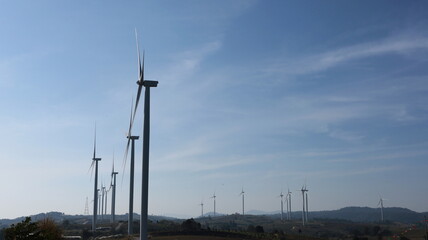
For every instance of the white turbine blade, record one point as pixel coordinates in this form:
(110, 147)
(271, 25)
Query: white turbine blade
(140, 76)
(138, 53)
(125, 157)
(91, 168)
(95, 140)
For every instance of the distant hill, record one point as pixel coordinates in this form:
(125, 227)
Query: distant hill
(83, 219)
(365, 214)
(354, 214)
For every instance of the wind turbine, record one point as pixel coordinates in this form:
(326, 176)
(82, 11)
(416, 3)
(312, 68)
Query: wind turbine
(86, 212)
(381, 207)
(289, 204)
(306, 198)
(213, 197)
(103, 190)
(202, 209)
(95, 163)
(282, 208)
(131, 139)
(303, 199)
(243, 195)
(146, 144)
(99, 201)
(113, 194)
(106, 197)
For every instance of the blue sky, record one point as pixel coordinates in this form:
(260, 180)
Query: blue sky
(263, 95)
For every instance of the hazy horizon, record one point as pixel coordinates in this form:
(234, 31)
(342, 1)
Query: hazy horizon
(260, 95)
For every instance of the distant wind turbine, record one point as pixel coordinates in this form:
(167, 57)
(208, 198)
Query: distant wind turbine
(243, 196)
(305, 204)
(381, 208)
(202, 209)
(113, 194)
(106, 199)
(86, 212)
(131, 172)
(99, 201)
(289, 204)
(213, 197)
(307, 207)
(103, 190)
(282, 206)
(94, 164)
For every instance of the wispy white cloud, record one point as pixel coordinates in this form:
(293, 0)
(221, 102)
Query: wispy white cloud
(317, 174)
(323, 61)
(186, 63)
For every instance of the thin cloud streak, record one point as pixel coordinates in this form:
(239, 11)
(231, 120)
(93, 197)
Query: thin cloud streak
(330, 59)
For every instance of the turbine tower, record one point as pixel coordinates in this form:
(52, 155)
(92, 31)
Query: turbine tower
(381, 207)
(243, 195)
(202, 209)
(103, 190)
(307, 208)
(286, 202)
(106, 197)
(289, 204)
(99, 201)
(131, 185)
(113, 194)
(282, 207)
(131, 140)
(86, 212)
(213, 197)
(95, 161)
(303, 210)
(146, 143)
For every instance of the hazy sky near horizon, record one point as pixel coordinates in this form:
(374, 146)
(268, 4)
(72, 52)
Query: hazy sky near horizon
(264, 95)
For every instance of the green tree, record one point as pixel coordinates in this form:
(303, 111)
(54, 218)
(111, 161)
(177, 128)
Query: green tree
(190, 225)
(49, 230)
(25, 230)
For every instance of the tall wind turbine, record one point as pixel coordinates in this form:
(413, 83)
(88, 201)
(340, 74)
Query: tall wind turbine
(202, 209)
(243, 195)
(213, 197)
(282, 207)
(86, 212)
(103, 190)
(307, 208)
(106, 197)
(286, 203)
(303, 210)
(289, 204)
(146, 143)
(95, 161)
(113, 193)
(99, 201)
(381, 207)
(131, 139)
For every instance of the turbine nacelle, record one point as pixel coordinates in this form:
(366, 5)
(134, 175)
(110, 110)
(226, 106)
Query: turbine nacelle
(148, 83)
(133, 137)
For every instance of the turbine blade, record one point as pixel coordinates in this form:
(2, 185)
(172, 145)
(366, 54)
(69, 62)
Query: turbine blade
(138, 53)
(142, 68)
(91, 168)
(112, 167)
(95, 139)
(125, 157)
(140, 88)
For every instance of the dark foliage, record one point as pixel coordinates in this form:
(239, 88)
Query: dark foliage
(190, 225)
(26, 230)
